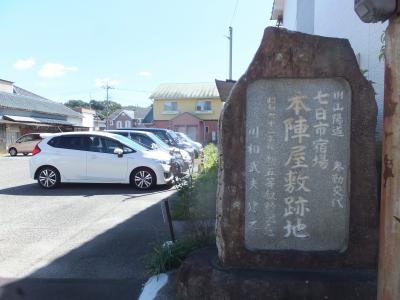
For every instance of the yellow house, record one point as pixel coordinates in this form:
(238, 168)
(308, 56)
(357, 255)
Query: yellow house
(191, 108)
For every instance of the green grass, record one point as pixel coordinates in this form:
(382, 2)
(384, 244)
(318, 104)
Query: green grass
(196, 204)
(168, 257)
(198, 200)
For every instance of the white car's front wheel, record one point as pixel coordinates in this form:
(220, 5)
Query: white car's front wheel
(143, 178)
(48, 177)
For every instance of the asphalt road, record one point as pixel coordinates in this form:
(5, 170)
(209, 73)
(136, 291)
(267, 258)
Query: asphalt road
(79, 241)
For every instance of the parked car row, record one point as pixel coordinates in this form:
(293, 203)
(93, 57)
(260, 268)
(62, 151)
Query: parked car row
(142, 157)
(181, 159)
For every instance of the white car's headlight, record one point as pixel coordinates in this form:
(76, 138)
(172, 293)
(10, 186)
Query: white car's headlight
(164, 162)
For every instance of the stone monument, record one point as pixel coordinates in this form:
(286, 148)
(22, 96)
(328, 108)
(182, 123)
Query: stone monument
(297, 181)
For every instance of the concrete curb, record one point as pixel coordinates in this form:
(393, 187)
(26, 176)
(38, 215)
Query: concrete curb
(153, 286)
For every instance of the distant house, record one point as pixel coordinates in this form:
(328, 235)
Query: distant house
(191, 108)
(148, 120)
(127, 118)
(90, 119)
(140, 114)
(98, 123)
(23, 112)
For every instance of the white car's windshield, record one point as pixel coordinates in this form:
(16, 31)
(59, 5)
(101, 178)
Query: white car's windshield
(184, 137)
(173, 135)
(128, 142)
(158, 141)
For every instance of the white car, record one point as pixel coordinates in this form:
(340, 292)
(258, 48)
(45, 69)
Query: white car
(196, 145)
(98, 157)
(152, 141)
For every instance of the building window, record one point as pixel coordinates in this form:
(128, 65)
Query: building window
(128, 124)
(119, 124)
(170, 107)
(111, 122)
(203, 106)
(207, 129)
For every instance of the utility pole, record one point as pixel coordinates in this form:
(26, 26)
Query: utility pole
(372, 11)
(230, 51)
(389, 245)
(107, 87)
(90, 99)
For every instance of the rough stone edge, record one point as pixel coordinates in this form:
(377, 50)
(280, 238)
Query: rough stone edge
(281, 61)
(199, 277)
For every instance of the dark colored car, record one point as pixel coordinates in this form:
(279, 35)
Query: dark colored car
(169, 137)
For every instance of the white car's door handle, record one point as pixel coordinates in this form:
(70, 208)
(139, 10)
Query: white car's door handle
(93, 156)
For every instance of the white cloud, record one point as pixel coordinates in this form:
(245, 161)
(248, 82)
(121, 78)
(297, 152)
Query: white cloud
(24, 64)
(100, 82)
(51, 70)
(145, 74)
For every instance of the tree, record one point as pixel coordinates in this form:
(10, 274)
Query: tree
(99, 106)
(77, 104)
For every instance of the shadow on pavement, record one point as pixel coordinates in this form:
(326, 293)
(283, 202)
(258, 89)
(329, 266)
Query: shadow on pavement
(107, 267)
(85, 189)
(5, 156)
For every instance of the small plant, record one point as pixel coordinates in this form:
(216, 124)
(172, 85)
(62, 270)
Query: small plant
(383, 47)
(169, 256)
(210, 157)
(197, 197)
(180, 210)
(196, 205)
(364, 72)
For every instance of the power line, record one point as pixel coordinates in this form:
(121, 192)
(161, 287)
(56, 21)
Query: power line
(130, 90)
(93, 90)
(234, 13)
(77, 92)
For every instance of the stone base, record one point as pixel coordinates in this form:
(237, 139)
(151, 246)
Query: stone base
(201, 277)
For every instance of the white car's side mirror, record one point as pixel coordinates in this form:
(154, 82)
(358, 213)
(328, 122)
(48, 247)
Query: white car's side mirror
(154, 146)
(119, 152)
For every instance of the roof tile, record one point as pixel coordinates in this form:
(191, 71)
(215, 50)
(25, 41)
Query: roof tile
(185, 91)
(35, 103)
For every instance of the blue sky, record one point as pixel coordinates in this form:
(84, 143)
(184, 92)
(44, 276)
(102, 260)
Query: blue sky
(67, 49)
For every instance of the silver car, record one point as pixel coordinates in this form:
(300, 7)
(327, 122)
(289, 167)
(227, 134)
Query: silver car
(26, 143)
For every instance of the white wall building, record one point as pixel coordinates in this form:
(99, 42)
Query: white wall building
(336, 18)
(88, 118)
(23, 112)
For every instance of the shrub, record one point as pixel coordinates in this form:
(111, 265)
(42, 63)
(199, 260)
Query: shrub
(197, 198)
(180, 208)
(196, 204)
(169, 256)
(210, 157)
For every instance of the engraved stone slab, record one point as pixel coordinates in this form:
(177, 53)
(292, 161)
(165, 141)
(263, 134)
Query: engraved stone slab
(297, 172)
(297, 164)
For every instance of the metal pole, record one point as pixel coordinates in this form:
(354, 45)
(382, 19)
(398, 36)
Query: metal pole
(230, 51)
(107, 107)
(171, 228)
(389, 240)
(107, 87)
